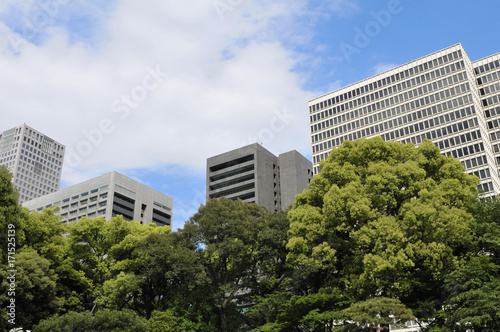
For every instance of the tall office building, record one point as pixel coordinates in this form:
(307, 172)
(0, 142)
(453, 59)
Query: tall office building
(107, 196)
(34, 159)
(443, 97)
(253, 174)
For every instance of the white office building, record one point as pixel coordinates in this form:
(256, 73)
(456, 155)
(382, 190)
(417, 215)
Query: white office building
(107, 196)
(444, 97)
(34, 159)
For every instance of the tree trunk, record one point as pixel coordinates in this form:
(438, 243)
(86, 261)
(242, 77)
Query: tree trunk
(223, 322)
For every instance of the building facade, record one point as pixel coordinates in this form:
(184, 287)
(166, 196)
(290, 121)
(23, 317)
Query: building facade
(255, 175)
(34, 159)
(107, 196)
(443, 97)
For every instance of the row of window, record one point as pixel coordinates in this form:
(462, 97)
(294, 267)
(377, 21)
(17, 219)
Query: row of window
(489, 89)
(491, 101)
(388, 80)
(82, 205)
(489, 66)
(488, 78)
(234, 191)
(407, 118)
(82, 202)
(125, 190)
(432, 135)
(492, 112)
(232, 182)
(90, 215)
(162, 206)
(400, 87)
(444, 94)
(403, 120)
(482, 173)
(457, 140)
(495, 136)
(465, 151)
(474, 162)
(486, 187)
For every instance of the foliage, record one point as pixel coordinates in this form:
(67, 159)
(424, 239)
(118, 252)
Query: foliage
(385, 232)
(105, 320)
(225, 232)
(384, 219)
(310, 312)
(163, 321)
(100, 249)
(374, 314)
(35, 289)
(11, 213)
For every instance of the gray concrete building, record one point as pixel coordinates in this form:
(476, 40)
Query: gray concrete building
(34, 159)
(255, 175)
(444, 97)
(107, 196)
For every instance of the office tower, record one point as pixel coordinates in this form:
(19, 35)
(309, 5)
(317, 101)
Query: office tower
(487, 71)
(255, 175)
(107, 196)
(34, 159)
(443, 97)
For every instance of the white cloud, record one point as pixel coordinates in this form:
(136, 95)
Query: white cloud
(230, 81)
(381, 67)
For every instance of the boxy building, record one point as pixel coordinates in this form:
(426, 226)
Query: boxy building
(253, 174)
(107, 196)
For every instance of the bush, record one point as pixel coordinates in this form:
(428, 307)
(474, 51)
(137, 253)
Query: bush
(103, 321)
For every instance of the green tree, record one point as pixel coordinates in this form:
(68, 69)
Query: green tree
(385, 219)
(12, 215)
(35, 289)
(103, 321)
(312, 312)
(170, 272)
(374, 314)
(101, 249)
(163, 321)
(44, 233)
(473, 300)
(473, 290)
(160, 273)
(226, 234)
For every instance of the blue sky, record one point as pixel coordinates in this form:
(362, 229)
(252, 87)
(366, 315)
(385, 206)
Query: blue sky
(151, 89)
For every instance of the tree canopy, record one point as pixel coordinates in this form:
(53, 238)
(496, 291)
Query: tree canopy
(385, 219)
(387, 233)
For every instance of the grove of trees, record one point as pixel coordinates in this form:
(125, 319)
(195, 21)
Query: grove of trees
(386, 233)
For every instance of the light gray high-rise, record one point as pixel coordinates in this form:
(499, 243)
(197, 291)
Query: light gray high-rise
(34, 159)
(444, 97)
(107, 196)
(255, 175)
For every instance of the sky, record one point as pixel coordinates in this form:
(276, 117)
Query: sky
(151, 89)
